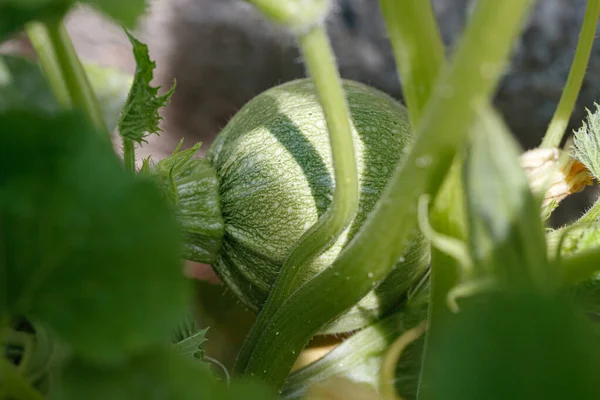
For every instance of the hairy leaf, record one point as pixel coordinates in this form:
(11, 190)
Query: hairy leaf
(586, 143)
(140, 116)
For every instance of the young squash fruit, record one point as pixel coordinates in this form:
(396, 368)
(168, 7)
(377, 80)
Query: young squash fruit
(269, 177)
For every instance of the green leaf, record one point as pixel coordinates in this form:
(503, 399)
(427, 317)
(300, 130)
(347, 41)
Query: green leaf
(22, 85)
(506, 235)
(515, 347)
(140, 114)
(125, 12)
(586, 142)
(14, 14)
(157, 375)
(88, 250)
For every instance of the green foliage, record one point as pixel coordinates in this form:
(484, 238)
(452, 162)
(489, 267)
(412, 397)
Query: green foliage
(159, 374)
(23, 85)
(125, 12)
(506, 237)
(14, 14)
(89, 251)
(515, 347)
(139, 116)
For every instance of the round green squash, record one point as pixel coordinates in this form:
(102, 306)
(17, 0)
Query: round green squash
(275, 178)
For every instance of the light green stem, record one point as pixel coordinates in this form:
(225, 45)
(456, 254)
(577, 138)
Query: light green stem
(14, 385)
(468, 83)
(418, 49)
(561, 117)
(591, 215)
(298, 15)
(128, 155)
(63, 69)
(321, 66)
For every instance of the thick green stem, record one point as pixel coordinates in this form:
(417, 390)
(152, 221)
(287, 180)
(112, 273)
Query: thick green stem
(63, 69)
(418, 49)
(561, 117)
(14, 385)
(442, 131)
(321, 66)
(128, 155)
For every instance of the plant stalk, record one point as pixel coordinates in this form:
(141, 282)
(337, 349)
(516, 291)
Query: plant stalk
(322, 68)
(467, 84)
(563, 112)
(63, 69)
(418, 50)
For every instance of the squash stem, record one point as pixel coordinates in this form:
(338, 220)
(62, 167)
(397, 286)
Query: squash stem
(463, 87)
(321, 66)
(561, 117)
(418, 50)
(63, 69)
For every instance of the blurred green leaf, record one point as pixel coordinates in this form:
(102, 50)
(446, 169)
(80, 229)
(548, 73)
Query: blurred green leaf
(157, 375)
(89, 250)
(515, 347)
(22, 85)
(140, 116)
(125, 12)
(506, 235)
(14, 14)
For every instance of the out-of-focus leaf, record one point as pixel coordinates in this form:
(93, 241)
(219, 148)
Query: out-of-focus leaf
(515, 347)
(22, 85)
(125, 12)
(14, 14)
(89, 251)
(506, 235)
(158, 375)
